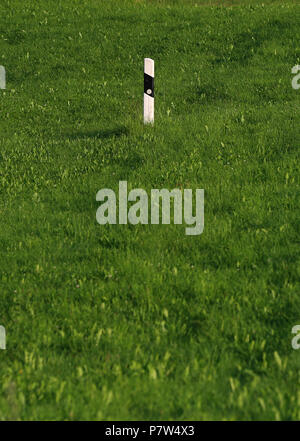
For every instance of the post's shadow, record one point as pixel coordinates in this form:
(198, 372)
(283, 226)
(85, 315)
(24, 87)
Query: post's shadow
(97, 134)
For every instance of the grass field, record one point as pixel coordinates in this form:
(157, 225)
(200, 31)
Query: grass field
(124, 322)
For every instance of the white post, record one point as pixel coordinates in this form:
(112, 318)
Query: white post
(148, 91)
(2, 78)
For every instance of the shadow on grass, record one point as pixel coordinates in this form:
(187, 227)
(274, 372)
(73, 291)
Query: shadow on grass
(97, 134)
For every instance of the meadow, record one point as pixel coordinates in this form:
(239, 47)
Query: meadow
(142, 322)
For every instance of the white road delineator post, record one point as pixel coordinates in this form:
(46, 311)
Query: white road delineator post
(2, 78)
(148, 91)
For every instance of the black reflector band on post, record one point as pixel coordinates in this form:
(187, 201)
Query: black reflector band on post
(148, 85)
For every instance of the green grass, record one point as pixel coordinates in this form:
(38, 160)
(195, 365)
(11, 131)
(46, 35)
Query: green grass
(143, 322)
